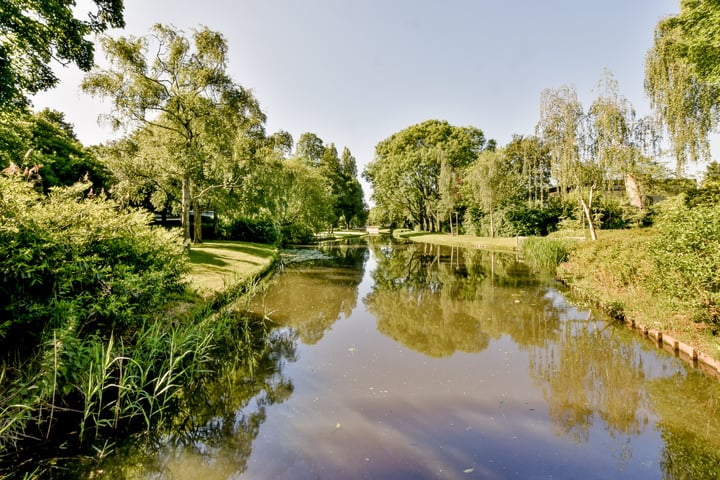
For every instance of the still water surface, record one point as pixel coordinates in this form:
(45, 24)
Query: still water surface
(415, 361)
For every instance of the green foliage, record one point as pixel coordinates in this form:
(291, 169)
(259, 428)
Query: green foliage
(682, 81)
(709, 191)
(534, 220)
(71, 257)
(46, 142)
(250, 230)
(405, 174)
(687, 258)
(34, 33)
(545, 253)
(197, 127)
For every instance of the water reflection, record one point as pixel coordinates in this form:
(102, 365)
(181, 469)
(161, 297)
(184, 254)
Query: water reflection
(310, 296)
(440, 300)
(212, 438)
(454, 364)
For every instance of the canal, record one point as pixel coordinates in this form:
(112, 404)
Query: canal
(412, 361)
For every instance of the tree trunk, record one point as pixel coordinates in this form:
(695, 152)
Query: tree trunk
(634, 193)
(185, 207)
(587, 208)
(197, 237)
(492, 225)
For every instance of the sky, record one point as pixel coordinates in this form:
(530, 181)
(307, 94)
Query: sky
(356, 71)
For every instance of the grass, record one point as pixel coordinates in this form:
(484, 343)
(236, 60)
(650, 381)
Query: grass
(616, 272)
(341, 235)
(215, 264)
(468, 241)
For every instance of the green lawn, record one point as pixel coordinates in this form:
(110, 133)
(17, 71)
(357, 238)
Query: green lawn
(215, 265)
(468, 241)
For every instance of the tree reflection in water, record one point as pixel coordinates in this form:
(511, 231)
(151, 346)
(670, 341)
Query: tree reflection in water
(310, 296)
(439, 301)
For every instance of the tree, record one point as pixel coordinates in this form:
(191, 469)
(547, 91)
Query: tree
(32, 34)
(197, 116)
(620, 142)
(350, 202)
(682, 78)
(534, 160)
(561, 129)
(492, 182)
(406, 169)
(310, 148)
(46, 143)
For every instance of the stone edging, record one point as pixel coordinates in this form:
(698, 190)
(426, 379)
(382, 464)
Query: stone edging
(681, 350)
(685, 352)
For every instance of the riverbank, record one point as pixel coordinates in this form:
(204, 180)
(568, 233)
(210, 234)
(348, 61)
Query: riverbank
(466, 241)
(613, 274)
(216, 265)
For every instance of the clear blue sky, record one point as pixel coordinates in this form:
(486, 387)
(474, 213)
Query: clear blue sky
(355, 71)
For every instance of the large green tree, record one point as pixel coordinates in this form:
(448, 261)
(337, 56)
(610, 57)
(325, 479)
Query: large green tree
(45, 143)
(405, 173)
(35, 33)
(682, 78)
(198, 117)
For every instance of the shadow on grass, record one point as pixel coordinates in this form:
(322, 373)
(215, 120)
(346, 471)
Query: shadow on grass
(264, 251)
(207, 258)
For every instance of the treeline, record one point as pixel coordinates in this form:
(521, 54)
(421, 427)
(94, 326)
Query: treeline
(594, 168)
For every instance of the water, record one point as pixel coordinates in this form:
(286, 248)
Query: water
(415, 361)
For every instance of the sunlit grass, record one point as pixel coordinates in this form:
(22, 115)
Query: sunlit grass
(215, 264)
(467, 241)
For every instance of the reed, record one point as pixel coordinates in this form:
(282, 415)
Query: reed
(543, 253)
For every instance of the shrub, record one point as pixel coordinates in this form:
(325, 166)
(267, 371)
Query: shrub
(67, 256)
(250, 230)
(687, 258)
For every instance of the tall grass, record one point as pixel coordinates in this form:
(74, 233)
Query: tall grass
(92, 391)
(543, 253)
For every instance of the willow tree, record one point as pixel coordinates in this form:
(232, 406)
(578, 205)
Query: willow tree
(534, 160)
(181, 93)
(484, 180)
(621, 143)
(682, 79)
(561, 129)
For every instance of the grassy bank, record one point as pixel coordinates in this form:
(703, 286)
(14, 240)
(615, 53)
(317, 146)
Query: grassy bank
(87, 389)
(216, 265)
(619, 274)
(467, 241)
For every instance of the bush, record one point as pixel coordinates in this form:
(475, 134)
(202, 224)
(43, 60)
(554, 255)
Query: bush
(687, 257)
(250, 230)
(69, 257)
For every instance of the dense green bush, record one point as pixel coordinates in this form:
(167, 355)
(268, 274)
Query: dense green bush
(250, 230)
(78, 271)
(534, 220)
(687, 257)
(66, 256)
